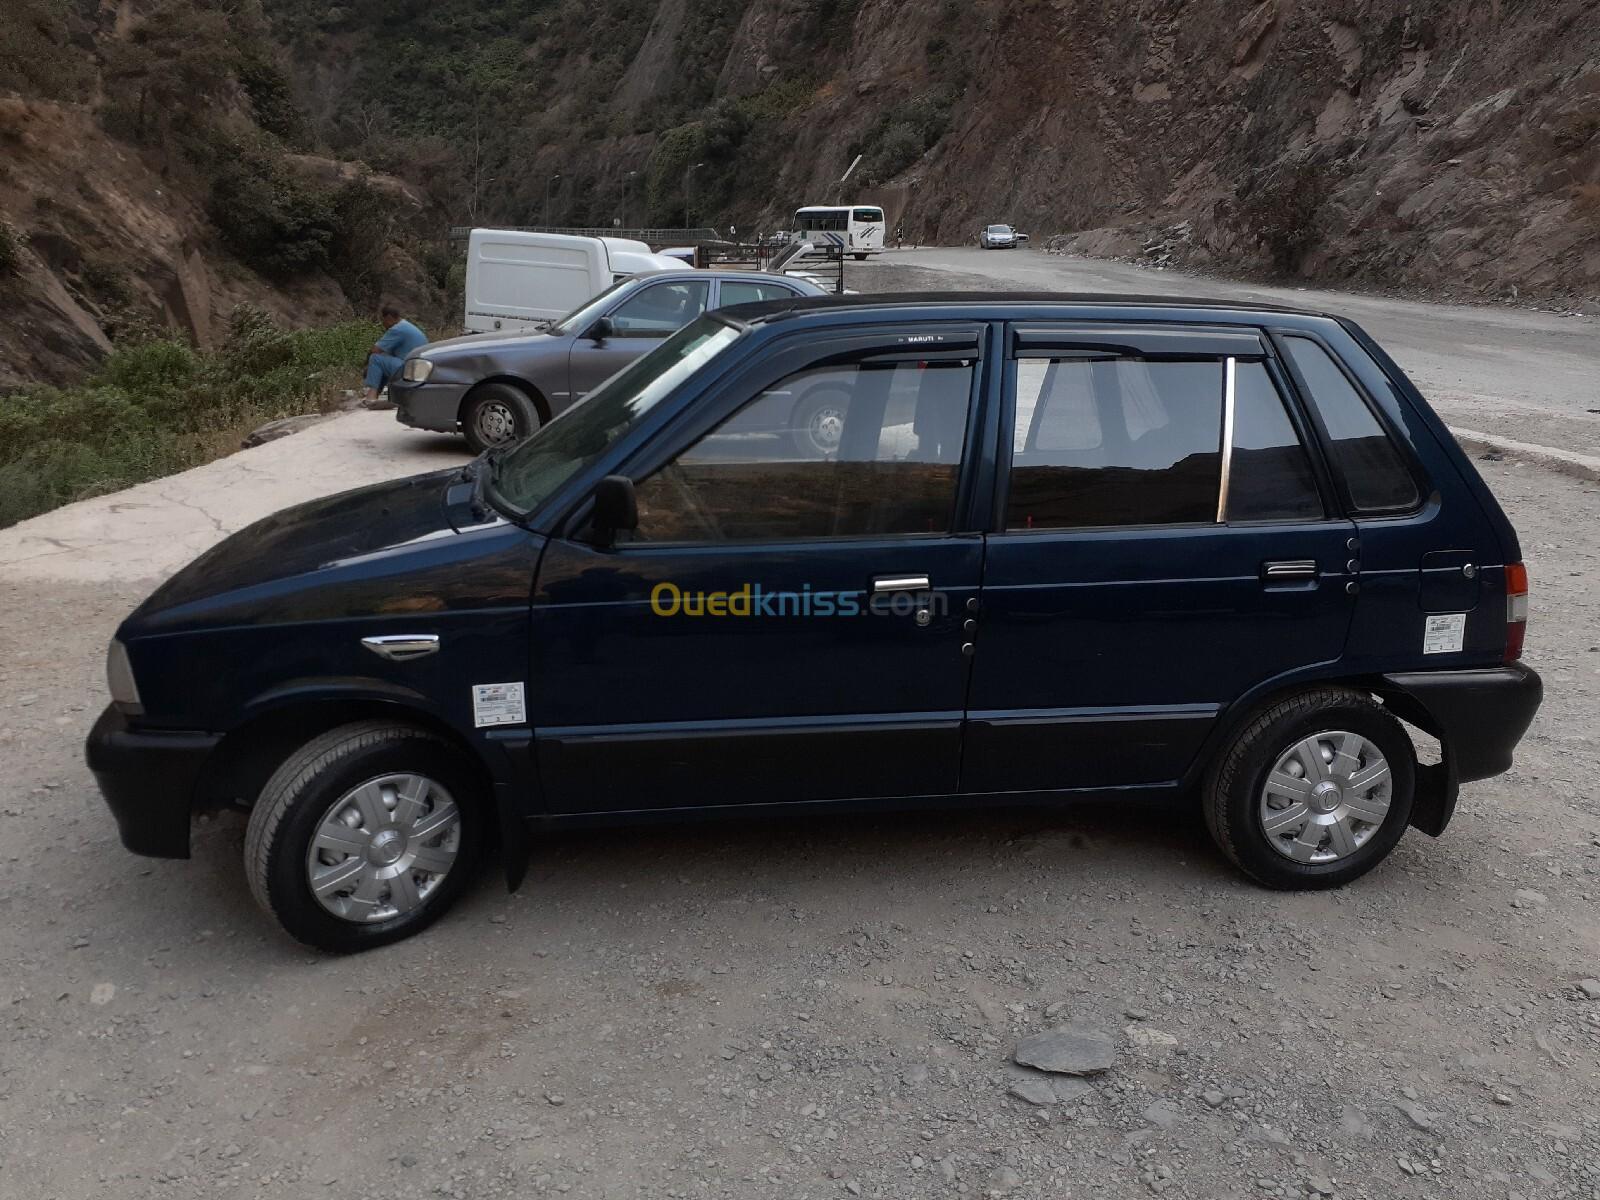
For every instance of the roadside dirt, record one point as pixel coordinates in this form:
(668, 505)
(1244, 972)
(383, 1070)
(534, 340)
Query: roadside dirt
(805, 1009)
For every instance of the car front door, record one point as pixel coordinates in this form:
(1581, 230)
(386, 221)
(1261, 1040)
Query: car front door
(1163, 547)
(783, 626)
(639, 324)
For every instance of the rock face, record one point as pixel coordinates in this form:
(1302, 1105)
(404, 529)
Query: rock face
(1068, 1050)
(1434, 142)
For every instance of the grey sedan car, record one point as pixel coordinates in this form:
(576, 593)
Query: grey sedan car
(1000, 237)
(498, 388)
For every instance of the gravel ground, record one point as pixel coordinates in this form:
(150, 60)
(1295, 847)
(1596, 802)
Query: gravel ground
(805, 1009)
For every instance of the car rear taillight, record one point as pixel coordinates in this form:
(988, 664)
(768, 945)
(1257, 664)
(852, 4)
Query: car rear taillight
(1516, 609)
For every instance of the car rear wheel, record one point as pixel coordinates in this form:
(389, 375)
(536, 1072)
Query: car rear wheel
(497, 413)
(364, 835)
(1314, 791)
(817, 423)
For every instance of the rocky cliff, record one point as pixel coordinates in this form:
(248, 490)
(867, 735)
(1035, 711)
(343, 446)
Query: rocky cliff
(169, 157)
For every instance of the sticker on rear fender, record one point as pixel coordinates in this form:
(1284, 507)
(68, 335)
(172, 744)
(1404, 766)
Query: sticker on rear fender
(1444, 633)
(498, 704)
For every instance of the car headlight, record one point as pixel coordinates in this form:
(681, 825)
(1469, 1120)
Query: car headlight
(119, 679)
(416, 370)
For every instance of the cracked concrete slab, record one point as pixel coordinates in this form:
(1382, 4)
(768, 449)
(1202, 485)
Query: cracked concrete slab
(150, 530)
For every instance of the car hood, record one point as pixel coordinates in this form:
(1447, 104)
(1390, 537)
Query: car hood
(367, 532)
(477, 343)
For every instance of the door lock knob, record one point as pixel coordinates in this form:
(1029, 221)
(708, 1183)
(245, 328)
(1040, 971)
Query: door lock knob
(968, 649)
(969, 627)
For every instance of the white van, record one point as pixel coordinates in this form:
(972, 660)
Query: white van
(517, 281)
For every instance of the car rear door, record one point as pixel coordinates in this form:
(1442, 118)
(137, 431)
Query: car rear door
(1163, 545)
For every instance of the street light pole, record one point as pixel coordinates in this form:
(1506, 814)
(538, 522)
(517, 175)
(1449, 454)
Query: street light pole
(548, 189)
(627, 183)
(688, 194)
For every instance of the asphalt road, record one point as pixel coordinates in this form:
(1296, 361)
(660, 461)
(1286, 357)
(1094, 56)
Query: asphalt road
(1504, 370)
(793, 1009)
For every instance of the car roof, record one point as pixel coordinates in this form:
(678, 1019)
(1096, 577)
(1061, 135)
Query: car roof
(670, 273)
(984, 306)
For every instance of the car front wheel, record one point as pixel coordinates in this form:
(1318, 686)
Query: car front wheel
(1314, 791)
(364, 835)
(497, 413)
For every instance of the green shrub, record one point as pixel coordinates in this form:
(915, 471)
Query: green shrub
(157, 406)
(277, 223)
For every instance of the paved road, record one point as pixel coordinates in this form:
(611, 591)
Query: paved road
(804, 1010)
(1518, 373)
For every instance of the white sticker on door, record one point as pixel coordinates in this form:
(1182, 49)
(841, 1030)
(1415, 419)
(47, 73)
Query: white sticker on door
(498, 704)
(1443, 633)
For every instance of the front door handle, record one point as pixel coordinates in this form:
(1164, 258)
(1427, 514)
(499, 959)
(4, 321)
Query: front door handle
(884, 584)
(1289, 570)
(402, 647)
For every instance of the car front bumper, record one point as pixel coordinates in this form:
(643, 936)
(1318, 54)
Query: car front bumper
(148, 780)
(435, 406)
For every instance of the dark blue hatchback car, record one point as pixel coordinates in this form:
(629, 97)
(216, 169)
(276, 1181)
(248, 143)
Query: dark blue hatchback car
(1058, 546)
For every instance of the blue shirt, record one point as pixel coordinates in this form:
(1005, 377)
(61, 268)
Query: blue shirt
(401, 338)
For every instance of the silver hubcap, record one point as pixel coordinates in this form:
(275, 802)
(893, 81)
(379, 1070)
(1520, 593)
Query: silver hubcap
(383, 847)
(496, 422)
(826, 428)
(1325, 797)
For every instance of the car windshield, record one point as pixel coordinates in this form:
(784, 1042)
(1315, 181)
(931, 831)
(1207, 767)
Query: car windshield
(529, 474)
(999, 229)
(585, 314)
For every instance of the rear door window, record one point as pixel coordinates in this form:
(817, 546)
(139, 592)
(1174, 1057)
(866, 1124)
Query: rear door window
(1375, 475)
(735, 291)
(1115, 442)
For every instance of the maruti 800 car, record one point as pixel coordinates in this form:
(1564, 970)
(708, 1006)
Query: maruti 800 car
(1060, 547)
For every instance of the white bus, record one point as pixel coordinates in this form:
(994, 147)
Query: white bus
(861, 224)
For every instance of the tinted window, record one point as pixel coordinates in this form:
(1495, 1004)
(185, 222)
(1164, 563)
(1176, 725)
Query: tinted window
(1117, 442)
(840, 451)
(735, 292)
(661, 308)
(1270, 479)
(868, 214)
(1372, 468)
(531, 472)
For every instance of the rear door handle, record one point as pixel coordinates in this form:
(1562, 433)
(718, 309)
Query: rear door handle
(884, 584)
(1289, 570)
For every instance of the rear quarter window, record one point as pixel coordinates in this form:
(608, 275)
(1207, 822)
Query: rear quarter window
(1374, 473)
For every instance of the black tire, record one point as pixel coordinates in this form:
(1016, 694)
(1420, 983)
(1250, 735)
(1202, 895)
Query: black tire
(809, 421)
(861, 258)
(1235, 783)
(495, 414)
(297, 797)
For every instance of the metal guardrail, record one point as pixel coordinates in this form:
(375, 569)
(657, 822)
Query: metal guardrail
(654, 237)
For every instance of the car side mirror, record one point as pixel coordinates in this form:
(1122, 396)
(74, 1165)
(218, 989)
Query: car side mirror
(601, 330)
(616, 509)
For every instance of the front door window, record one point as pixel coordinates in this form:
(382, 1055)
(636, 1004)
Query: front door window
(848, 450)
(661, 309)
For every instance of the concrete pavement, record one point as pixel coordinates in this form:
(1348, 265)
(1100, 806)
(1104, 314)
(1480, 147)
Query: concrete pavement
(154, 528)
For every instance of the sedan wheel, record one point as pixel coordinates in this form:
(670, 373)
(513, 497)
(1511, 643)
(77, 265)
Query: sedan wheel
(496, 414)
(1325, 797)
